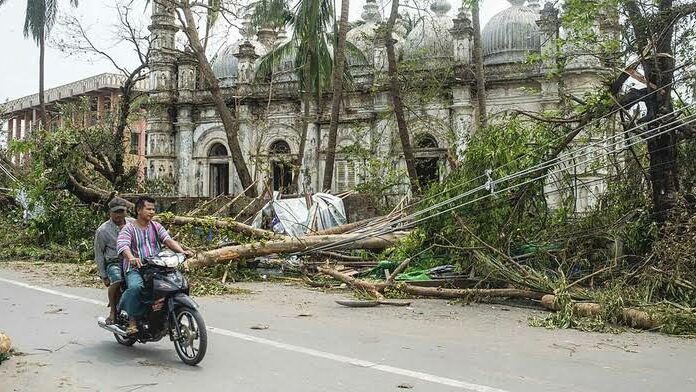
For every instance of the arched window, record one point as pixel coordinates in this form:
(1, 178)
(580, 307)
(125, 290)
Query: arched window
(218, 150)
(425, 140)
(427, 167)
(219, 170)
(281, 170)
(280, 147)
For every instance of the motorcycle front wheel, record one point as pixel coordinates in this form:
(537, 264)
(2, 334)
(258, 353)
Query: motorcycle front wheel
(125, 341)
(192, 341)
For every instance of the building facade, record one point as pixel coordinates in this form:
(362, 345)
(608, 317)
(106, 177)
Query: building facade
(103, 92)
(188, 145)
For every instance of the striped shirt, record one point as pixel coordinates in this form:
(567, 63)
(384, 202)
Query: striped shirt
(142, 242)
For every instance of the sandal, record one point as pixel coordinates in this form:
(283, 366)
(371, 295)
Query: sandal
(131, 330)
(109, 321)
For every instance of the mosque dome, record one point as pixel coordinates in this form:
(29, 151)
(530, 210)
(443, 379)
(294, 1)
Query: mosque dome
(363, 36)
(431, 37)
(225, 65)
(512, 34)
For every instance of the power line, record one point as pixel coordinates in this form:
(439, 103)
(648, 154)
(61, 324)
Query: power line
(387, 229)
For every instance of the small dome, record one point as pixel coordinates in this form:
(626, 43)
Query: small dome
(225, 65)
(363, 36)
(431, 37)
(511, 35)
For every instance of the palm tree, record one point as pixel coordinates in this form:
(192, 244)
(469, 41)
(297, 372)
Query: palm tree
(337, 84)
(38, 22)
(311, 22)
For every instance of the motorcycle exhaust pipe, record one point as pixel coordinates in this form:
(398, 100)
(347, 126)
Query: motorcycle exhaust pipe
(113, 328)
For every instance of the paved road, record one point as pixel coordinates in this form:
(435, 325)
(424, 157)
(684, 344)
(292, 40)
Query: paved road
(432, 346)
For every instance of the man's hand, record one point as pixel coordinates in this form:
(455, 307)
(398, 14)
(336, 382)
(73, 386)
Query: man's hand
(188, 252)
(106, 281)
(135, 263)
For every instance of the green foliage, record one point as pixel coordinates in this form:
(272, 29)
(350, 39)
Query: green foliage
(62, 232)
(499, 150)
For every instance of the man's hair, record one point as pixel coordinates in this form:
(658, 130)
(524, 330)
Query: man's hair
(140, 203)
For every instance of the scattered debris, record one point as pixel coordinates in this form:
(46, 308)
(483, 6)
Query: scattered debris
(298, 216)
(405, 386)
(259, 326)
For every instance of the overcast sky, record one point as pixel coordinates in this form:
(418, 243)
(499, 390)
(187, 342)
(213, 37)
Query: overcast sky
(19, 66)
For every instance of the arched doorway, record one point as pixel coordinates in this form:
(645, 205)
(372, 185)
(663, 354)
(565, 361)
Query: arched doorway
(281, 169)
(427, 158)
(219, 170)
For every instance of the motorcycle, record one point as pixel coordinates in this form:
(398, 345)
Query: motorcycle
(170, 310)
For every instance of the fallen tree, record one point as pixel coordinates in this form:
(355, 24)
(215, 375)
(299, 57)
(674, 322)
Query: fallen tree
(290, 245)
(218, 223)
(377, 289)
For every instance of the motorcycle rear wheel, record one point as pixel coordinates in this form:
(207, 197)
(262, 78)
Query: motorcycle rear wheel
(193, 333)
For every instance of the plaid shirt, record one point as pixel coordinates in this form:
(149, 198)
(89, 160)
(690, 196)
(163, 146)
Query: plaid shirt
(142, 242)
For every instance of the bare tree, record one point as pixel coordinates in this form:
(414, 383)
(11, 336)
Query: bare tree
(111, 166)
(185, 13)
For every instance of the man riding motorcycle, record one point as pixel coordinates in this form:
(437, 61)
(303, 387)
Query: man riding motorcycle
(105, 255)
(137, 240)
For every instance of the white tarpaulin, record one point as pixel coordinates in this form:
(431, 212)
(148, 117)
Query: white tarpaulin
(292, 217)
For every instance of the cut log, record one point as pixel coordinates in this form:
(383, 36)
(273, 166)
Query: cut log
(219, 223)
(292, 244)
(631, 317)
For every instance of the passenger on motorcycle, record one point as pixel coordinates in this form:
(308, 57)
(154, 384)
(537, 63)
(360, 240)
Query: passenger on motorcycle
(105, 255)
(138, 240)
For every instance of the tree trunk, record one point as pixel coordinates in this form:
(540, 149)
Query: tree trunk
(337, 83)
(88, 194)
(306, 97)
(377, 288)
(120, 137)
(292, 244)
(218, 223)
(658, 68)
(229, 121)
(478, 63)
(42, 103)
(395, 92)
(632, 317)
